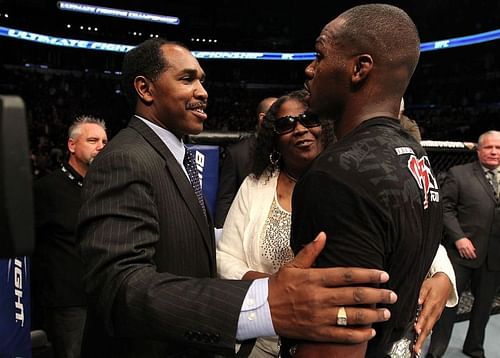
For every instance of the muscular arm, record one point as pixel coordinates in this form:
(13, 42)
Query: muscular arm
(232, 263)
(305, 304)
(340, 217)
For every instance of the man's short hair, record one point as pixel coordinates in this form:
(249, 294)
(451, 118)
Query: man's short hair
(485, 134)
(146, 59)
(76, 127)
(384, 31)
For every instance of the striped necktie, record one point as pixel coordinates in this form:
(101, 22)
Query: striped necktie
(493, 179)
(190, 165)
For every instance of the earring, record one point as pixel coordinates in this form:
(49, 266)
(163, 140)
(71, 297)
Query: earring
(274, 157)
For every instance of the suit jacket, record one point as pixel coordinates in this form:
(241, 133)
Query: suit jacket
(149, 255)
(234, 170)
(469, 211)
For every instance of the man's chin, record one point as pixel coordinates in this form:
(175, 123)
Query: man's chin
(197, 130)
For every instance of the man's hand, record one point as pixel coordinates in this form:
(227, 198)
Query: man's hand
(304, 301)
(433, 296)
(465, 248)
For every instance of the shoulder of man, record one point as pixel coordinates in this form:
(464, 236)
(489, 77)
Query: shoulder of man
(464, 167)
(48, 179)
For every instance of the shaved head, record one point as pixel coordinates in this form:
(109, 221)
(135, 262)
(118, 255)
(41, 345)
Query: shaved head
(384, 31)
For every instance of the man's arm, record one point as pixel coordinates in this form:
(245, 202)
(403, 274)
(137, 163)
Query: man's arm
(442, 264)
(450, 196)
(132, 284)
(451, 190)
(232, 254)
(437, 292)
(304, 302)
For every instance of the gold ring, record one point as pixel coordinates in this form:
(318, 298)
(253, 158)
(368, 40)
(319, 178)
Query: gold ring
(341, 317)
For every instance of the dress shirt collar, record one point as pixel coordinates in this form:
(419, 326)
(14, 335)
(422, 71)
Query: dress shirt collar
(173, 143)
(486, 170)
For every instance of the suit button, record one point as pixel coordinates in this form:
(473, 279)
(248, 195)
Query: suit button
(189, 335)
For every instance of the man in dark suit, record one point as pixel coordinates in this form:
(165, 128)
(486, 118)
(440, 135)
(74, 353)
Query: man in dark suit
(148, 246)
(472, 234)
(236, 167)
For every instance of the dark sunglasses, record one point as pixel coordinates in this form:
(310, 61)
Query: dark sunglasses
(287, 124)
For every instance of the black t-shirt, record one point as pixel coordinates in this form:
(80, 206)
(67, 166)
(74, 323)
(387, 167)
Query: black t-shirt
(57, 266)
(374, 194)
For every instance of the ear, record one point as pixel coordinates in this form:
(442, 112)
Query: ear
(71, 145)
(362, 67)
(143, 87)
(261, 118)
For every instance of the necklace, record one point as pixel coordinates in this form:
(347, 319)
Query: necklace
(290, 176)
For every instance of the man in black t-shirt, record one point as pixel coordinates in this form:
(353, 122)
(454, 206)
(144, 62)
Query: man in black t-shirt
(375, 196)
(57, 268)
(373, 192)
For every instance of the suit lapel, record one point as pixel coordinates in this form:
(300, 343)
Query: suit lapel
(181, 181)
(481, 177)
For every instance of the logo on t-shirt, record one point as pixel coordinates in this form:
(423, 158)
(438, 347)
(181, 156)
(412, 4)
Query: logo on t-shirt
(421, 171)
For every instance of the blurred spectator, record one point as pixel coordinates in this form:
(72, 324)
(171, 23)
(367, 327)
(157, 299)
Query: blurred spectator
(409, 124)
(471, 201)
(59, 300)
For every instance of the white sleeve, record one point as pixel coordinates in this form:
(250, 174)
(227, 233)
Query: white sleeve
(255, 315)
(442, 263)
(231, 258)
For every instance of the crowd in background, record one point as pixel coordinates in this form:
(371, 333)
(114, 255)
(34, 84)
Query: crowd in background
(450, 100)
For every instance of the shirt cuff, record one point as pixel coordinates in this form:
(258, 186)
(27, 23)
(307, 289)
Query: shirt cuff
(443, 264)
(255, 315)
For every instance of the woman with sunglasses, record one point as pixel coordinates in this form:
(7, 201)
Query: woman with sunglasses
(256, 235)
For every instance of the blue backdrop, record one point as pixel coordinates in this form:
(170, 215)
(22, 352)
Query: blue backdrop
(207, 163)
(15, 341)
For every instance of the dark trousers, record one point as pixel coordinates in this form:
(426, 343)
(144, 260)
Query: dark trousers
(64, 327)
(483, 284)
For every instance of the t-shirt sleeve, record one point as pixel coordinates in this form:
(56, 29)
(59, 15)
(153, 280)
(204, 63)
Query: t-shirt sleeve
(355, 225)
